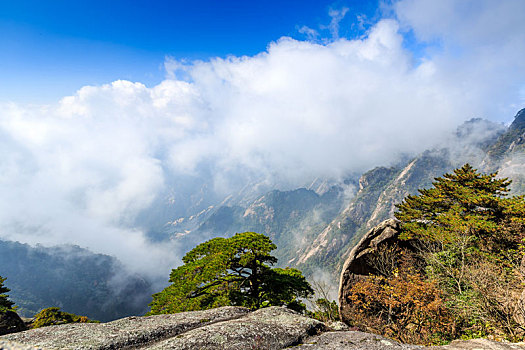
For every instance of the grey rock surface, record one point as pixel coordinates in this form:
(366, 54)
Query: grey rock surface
(226, 328)
(10, 345)
(337, 326)
(352, 340)
(268, 328)
(124, 333)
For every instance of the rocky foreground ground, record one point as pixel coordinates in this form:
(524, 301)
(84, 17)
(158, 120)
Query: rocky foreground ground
(223, 328)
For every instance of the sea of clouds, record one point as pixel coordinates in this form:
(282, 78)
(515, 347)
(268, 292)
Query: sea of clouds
(82, 169)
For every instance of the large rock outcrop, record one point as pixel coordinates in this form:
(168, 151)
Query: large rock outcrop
(357, 266)
(268, 328)
(272, 328)
(222, 328)
(124, 333)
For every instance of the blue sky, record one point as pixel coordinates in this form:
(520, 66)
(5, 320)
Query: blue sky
(49, 49)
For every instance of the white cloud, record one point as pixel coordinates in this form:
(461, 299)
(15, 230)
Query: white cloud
(311, 34)
(469, 23)
(336, 18)
(83, 169)
(476, 45)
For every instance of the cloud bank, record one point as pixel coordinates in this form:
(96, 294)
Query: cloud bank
(81, 170)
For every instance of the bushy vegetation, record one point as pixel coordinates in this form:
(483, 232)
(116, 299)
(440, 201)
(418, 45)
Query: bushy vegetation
(462, 278)
(53, 316)
(231, 271)
(405, 306)
(322, 307)
(326, 310)
(5, 303)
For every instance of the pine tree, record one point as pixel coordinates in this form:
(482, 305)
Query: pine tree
(231, 271)
(5, 303)
(470, 234)
(461, 205)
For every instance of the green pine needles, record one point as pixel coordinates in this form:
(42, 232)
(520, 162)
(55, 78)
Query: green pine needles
(464, 203)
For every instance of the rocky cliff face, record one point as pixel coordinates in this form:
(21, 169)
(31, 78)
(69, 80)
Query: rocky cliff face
(316, 228)
(379, 191)
(510, 142)
(291, 219)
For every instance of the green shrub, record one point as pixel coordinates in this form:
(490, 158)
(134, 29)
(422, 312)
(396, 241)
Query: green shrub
(53, 316)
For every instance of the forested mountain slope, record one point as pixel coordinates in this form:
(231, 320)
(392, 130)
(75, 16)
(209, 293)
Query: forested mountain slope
(72, 278)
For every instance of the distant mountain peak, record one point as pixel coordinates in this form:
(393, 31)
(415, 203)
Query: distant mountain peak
(519, 120)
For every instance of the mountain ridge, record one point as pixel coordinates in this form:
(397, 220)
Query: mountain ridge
(323, 242)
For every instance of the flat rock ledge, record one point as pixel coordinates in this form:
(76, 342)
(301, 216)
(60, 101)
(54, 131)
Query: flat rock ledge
(268, 328)
(126, 333)
(225, 328)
